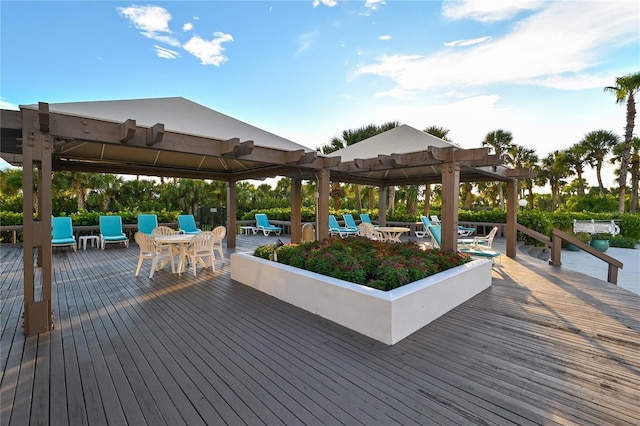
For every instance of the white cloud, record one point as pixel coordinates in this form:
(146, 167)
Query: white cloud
(153, 21)
(469, 42)
(150, 19)
(373, 4)
(558, 44)
(487, 10)
(305, 41)
(208, 51)
(328, 3)
(166, 53)
(384, 37)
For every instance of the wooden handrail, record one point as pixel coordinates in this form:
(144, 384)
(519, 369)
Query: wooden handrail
(557, 236)
(534, 234)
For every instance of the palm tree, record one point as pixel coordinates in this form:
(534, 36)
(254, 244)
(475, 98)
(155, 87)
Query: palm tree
(576, 158)
(349, 137)
(522, 158)
(553, 170)
(597, 145)
(634, 168)
(624, 90)
(501, 141)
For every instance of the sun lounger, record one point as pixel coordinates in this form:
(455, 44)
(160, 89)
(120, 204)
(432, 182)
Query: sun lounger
(336, 229)
(262, 223)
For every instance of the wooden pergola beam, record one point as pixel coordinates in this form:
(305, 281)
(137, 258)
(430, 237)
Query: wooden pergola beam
(233, 148)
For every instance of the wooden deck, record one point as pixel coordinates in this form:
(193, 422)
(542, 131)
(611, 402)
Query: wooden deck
(536, 348)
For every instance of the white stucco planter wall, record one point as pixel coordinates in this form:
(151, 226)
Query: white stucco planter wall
(386, 316)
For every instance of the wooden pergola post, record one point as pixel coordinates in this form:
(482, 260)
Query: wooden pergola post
(450, 196)
(512, 217)
(232, 209)
(296, 214)
(322, 204)
(37, 153)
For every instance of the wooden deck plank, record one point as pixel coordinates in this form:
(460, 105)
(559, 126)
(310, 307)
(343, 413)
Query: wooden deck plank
(538, 347)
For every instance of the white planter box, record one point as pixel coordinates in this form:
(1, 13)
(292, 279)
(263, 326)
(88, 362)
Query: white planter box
(386, 316)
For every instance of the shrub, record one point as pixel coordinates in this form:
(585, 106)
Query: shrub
(381, 265)
(623, 242)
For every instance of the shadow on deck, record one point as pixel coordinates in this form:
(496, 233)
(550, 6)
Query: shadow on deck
(540, 346)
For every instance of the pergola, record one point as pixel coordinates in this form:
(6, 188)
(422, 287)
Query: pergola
(179, 138)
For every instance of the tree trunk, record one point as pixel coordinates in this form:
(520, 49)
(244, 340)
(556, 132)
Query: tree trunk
(392, 200)
(599, 176)
(626, 153)
(356, 191)
(427, 199)
(580, 183)
(635, 171)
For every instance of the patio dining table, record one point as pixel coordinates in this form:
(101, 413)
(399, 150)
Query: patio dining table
(182, 241)
(392, 233)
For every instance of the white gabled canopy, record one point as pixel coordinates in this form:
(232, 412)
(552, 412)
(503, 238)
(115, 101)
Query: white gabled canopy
(407, 156)
(399, 140)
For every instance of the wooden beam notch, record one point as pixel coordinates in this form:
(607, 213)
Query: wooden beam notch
(234, 148)
(155, 134)
(127, 130)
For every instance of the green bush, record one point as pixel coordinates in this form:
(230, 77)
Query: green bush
(376, 264)
(623, 242)
(630, 225)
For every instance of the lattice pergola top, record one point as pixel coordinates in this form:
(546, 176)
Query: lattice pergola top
(407, 156)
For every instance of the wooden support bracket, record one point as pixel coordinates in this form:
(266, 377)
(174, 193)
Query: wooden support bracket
(127, 130)
(234, 148)
(155, 134)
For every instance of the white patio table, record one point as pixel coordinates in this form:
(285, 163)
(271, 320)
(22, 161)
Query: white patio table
(392, 233)
(182, 241)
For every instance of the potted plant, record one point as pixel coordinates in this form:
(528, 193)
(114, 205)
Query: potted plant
(600, 241)
(585, 237)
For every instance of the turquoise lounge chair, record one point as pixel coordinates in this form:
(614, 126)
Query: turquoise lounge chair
(425, 224)
(147, 223)
(462, 230)
(364, 217)
(475, 250)
(111, 231)
(349, 221)
(336, 229)
(187, 224)
(262, 223)
(62, 233)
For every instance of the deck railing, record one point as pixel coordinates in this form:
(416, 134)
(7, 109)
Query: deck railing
(557, 236)
(555, 243)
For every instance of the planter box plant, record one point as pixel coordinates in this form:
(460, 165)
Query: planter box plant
(386, 316)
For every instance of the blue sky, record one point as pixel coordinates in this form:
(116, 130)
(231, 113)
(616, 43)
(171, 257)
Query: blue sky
(307, 70)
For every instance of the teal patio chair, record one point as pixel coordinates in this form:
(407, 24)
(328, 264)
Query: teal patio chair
(187, 224)
(475, 250)
(364, 217)
(425, 224)
(111, 231)
(62, 233)
(462, 230)
(336, 229)
(147, 223)
(262, 223)
(349, 221)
